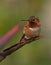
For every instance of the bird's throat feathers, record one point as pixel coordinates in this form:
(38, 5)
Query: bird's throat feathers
(34, 25)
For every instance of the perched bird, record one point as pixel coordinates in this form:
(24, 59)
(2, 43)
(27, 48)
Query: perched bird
(32, 28)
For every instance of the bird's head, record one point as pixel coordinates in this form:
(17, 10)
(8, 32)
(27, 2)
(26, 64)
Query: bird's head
(33, 21)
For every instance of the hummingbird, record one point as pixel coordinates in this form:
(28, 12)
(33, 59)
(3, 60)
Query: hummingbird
(32, 28)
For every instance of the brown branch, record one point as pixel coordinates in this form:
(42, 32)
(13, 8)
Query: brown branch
(15, 47)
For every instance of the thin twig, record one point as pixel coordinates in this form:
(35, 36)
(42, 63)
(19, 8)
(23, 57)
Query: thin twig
(13, 48)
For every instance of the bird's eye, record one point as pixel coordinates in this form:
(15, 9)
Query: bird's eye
(33, 20)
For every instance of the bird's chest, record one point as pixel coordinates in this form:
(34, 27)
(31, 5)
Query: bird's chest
(31, 32)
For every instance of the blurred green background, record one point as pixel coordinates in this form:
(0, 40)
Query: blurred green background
(11, 13)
